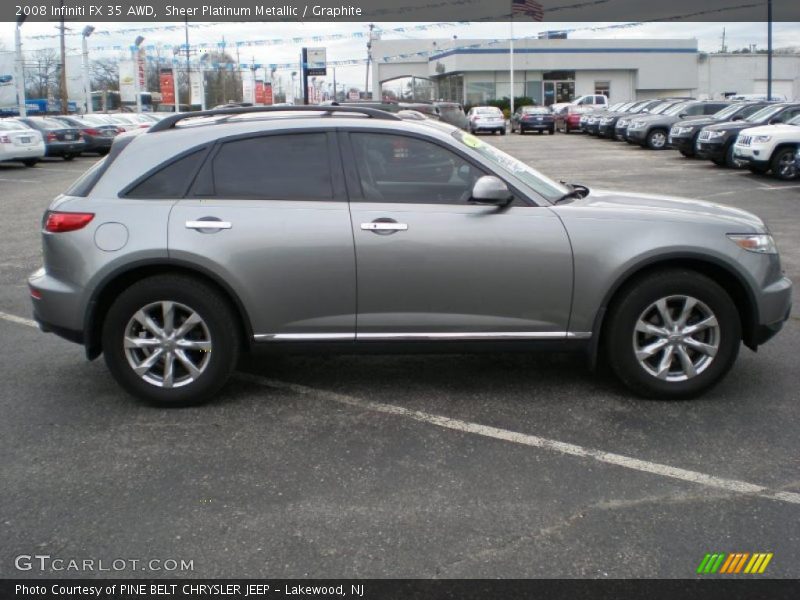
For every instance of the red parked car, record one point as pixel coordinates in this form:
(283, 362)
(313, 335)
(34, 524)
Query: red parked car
(567, 119)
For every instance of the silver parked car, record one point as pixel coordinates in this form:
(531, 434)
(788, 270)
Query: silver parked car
(351, 228)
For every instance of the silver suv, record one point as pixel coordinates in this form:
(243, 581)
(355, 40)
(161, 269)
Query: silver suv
(213, 233)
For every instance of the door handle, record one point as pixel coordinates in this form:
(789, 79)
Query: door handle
(208, 224)
(378, 226)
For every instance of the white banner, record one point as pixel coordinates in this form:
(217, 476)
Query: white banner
(8, 80)
(75, 91)
(248, 87)
(127, 86)
(196, 84)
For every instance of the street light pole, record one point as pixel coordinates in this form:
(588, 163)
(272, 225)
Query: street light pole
(20, 70)
(87, 86)
(136, 83)
(769, 50)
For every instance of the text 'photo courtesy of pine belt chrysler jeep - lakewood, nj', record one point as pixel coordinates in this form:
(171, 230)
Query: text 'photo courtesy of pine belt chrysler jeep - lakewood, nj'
(349, 229)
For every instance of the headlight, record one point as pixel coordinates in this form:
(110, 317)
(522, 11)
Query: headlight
(606, 120)
(760, 139)
(637, 124)
(682, 130)
(755, 242)
(622, 123)
(712, 135)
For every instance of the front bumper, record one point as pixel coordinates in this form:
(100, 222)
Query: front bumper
(637, 136)
(752, 155)
(775, 306)
(606, 130)
(682, 142)
(711, 150)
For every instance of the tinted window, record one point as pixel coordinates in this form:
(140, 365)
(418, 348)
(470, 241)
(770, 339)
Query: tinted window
(710, 109)
(276, 167)
(395, 168)
(789, 114)
(171, 180)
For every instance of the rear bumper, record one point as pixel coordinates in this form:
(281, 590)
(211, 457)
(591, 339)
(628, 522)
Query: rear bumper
(62, 148)
(536, 126)
(58, 309)
(22, 153)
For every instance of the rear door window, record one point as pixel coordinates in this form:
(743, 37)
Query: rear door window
(274, 167)
(171, 180)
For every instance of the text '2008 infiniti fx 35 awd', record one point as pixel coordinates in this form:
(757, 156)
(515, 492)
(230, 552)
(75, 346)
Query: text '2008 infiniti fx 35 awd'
(350, 229)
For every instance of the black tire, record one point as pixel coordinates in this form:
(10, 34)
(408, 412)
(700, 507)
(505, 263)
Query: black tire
(552, 131)
(783, 164)
(30, 162)
(729, 160)
(68, 157)
(217, 316)
(502, 132)
(757, 169)
(635, 299)
(687, 153)
(566, 128)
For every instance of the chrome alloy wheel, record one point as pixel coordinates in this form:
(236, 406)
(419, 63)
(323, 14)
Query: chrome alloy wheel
(658, 139)
(676, 338)
(167, 344)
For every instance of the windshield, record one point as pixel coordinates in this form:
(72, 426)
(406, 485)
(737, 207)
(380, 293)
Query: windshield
(764, 114)
(12, 125)
(661, 108)
(726, 112)
(546, 187)
(676, 108)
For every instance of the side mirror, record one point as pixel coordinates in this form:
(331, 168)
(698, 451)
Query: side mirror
(683, 115)
(738, 118)
(490, 190)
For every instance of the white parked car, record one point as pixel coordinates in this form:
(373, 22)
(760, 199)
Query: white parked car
(486, 118)
(770, 147)
(596, 100)
(20, 143)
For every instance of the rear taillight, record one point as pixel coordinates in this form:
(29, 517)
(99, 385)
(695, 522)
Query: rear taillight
(51, 137)
(91, 132)
(120, 130)
(61, 222)
(4, 139)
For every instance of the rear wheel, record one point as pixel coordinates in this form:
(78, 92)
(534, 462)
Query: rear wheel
(672, 334)
(171, 340)
(552, 131)
(783, 165)
(30, 162)
(68, 157)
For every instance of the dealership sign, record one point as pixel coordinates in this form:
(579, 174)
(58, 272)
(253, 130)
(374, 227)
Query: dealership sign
(316, 61)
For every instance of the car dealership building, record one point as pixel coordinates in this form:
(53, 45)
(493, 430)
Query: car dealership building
(557, 70)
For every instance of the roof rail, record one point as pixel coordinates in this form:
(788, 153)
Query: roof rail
(169, 122)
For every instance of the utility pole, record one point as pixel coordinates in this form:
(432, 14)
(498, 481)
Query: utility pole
(87, 85)
(723, 49)
(62, 84)
(304, 74)
(188, 64)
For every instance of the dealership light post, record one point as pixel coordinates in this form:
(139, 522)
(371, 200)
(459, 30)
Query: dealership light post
(175, 52)
(87, 86)
(136, 83)
(769, 50)
(20, 70)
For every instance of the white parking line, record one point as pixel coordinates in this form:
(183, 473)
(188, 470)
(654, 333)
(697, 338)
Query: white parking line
(18, 180)
(15, 319)
(619, 460)
(729, 485)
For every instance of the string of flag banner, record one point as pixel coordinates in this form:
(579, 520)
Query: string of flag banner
(232, 66)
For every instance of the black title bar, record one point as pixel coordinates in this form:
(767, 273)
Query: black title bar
(396, 10)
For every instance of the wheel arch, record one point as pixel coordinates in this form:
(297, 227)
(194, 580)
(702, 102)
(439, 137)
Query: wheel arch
(723, 274)
(117, 281)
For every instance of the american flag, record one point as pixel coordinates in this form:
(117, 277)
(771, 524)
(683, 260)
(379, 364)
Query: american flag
(528, 8)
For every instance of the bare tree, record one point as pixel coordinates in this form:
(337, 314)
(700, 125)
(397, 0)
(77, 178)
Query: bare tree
(41, 73)
(105, 74)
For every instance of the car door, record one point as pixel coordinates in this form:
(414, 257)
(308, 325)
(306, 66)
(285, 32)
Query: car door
(430, 265)
(267, 214)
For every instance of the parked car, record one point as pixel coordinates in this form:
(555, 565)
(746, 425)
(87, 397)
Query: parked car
(652, 131)
(422, 215)
(568, 119)
(486, 118)
(59, 139)
(596, 100)
(20, 143)
(770, 148)
(715, 142)
(607, 123)
(98, 138)
(533, 118)
(623, 122)
(683, 135)
(583, 123)
(452, 113)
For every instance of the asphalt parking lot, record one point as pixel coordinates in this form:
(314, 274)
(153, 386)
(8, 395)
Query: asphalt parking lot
(403, 466)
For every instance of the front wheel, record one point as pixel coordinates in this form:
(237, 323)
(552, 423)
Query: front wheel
(30, 162)
(171, 340)
(783, 165)
(656, 139)
(672, 334)
(69, 157)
